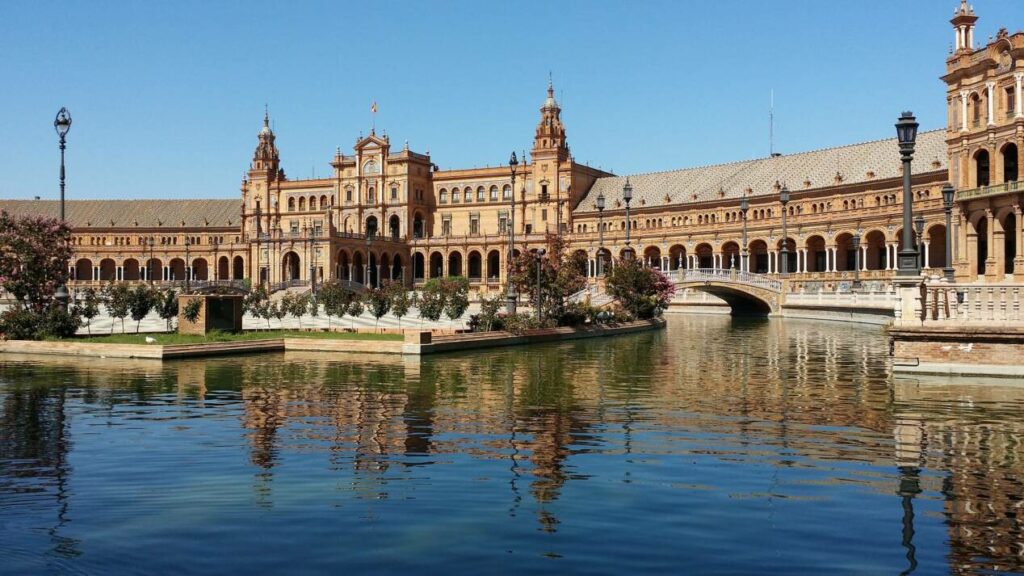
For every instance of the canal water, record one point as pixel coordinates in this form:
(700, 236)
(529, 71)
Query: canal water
(717, 446)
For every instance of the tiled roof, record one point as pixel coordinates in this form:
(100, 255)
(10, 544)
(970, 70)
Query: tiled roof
(83, 214)
(853, 163)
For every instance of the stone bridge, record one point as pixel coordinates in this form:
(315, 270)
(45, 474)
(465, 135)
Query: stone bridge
(745, 292)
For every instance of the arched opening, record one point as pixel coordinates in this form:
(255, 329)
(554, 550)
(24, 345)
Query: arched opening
(475, 266)
(344, 269)
(108, 270)
(493, 265)
(582, 262)
(1010, 163)
(787, 261)
(154, 269)
(604, 261)
(436, 265)
(875, 249)
(130, 270)
(981, 229)
(239, 268)
(1009, 223)
(731, 256)
(393, 226)
(371, 226)
(417, 226)
(981, 166)
(290, 268)
(740, 303)
(937, 246)
(455, 264)
(418, 266)
(846, 256)
(396, 268)
(83, 269)
(200, 269)
(652, 257)
(759, 256)
(817, 257)
(358, 270)
(372, 261)
(177, 269)
(705, 256)
(385, 266)
(223, 268)
(677, 257)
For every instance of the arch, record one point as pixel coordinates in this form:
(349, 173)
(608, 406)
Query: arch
(394, 223)
(397, 268)
(705, 255)
(200, 269)
(372, 262)
(291, 204)
(154, 269)
(455, 263)
(108, 270)
(730, 255)
(677, 257)
(130, 269)
(604, 261)
(790, 244)
(1009, 224)
(875, 250)
(385, 267)
(758, 256)
(493, 193)
(418, 266)
(302, 203)
(290, 267)
(936, 236)
(982, 173)
(652, 257)
(176, 269)
(83, 269)
(358, 269)
(581, 261)
(1010, 168)
(846, 256)
(223, 268)
(817, 256)
(436, 265)
(417, 225)
(981, 229)
(371, 226)
(474, 265)
(493, 265)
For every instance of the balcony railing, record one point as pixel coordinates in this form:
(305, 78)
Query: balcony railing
(987, 191)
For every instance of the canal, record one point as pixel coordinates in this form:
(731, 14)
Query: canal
(717, 446)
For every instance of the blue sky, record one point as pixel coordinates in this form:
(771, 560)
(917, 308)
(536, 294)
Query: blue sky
(167, 97)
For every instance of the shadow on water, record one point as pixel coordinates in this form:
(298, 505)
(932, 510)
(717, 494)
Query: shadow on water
(763, 431)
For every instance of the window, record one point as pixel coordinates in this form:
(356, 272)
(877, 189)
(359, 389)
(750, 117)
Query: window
(468, 196)
(394, 193)
(506, 192)
(348, 195)
(494, 193)
(544, 191)
(480, 194)
(502, 223)
(1010, 101)
(446, 227)
(442, 196)
(474, 225)
(456, 195)
(291, 204)
(371, 195)
(529, 228)
(544, 215)
(294, 226)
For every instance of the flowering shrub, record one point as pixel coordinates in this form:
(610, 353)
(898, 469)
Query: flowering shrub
(34, 256)
(643, 292)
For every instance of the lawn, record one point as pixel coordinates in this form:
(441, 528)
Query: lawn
(174, 338)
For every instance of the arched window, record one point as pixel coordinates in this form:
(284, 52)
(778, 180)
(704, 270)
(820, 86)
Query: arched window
(494, 193)
(371, 195)
(456, 195)
(480, 194)
(442, 196)
(291, 204)
(506, 192)
(302, 204)
(982, 167)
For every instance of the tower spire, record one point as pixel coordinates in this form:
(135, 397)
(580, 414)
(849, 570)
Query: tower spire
(963, 23)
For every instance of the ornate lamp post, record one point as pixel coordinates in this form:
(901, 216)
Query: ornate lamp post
(600, 235)
(627, 195)
(511, 297)
(906, 132)
(62, 123)
(784, 199)
(369, 245)
(744, 255)
(919, 229)
(539, 257)
(856, 259)
(259, 251)
(947, 206)
(150, 242)
(188, 266)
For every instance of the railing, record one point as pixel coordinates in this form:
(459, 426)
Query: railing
(731, 276)
(288, 284)
(845, 299)
(959, 304)
(986, 191)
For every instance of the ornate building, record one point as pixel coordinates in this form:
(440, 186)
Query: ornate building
(386, 213)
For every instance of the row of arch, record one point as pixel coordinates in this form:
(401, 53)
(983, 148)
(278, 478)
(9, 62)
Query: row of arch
(983, 165)
(300, 203)
(155, 269)
(466, 195)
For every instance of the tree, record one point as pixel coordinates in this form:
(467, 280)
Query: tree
(456, 291)
(167, 306)
(279, 310)
(400, 300)
(354, 309)
(192, 309)
(432, 300)
(313, 306)
(118, 298)
(90, 307)
(378, 300)
(34, 257)
(142, 301)
(643, 292)
(561, 275)
(256, 302)
(335, 299)
(297, 306)
(489, 309)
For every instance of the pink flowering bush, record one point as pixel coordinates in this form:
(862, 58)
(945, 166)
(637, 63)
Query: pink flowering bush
(643, 292)
(34, 256)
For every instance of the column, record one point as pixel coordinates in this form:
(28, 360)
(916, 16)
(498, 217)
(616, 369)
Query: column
(1018, 109)
(863, 258)
(927, 243)
(350, 265)
(888, 257)
(963, 110)
(119, 272)
(1018, 230)
(835, 259)
(991, 88)
(95, 273)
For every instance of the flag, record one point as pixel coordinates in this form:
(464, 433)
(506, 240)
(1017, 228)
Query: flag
(373, 108)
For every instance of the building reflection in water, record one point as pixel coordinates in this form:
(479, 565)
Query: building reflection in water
(779, 392)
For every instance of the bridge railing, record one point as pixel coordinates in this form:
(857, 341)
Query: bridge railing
(978, 304)
(731, 276)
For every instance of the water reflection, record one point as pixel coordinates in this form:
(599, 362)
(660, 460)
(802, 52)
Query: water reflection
(743, 429)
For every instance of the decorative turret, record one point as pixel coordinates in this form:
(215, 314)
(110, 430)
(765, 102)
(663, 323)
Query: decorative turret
(963, 25)
(266, 159)
(550, 137)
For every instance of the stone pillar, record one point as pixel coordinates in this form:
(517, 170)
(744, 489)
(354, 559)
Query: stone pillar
(963, 110)
(1018, 231)
(863, 258)
(1018, 109)
(990, 262)
(350, 270)
(119, 273)
(991, 87)
(888, 257)
(927, 243)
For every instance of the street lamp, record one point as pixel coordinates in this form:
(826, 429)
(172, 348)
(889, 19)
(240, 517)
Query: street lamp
(150, 242)
(600, 235)
(188, 266)
(62, 123)
(947, 205)
(511, 297)
(744, 255)
(906, 132)
(919, 228)
(369, 246)
(539, 256)
(856, 259)
(259, 251)
(784, 199)
(627, 195)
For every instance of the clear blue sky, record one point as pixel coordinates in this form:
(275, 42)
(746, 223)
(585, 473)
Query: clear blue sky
(167, 97)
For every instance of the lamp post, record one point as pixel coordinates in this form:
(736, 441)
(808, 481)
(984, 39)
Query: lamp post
(906, 132)
(744, 255)
(150, 242)
(369, 246)
(312, 261)
(856, 259)
(600, 235)
(919, 229)
(947, 206)
(511, 297)
(62, 123)
(784, 199)
(627, 195)
(188, 266)
(539, 256)
(259, 251)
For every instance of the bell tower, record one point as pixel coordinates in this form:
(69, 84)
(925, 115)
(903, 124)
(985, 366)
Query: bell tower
(549, 140)
(266, 162)
(963, 23)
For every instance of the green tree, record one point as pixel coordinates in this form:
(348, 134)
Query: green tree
(378, 301)
(313, 305)
(279, 310)
(335, 299)
(143, 299)
(489, 310)
(90, 307)
(117, 300)
(354, 309)
(456, 291)
(298, 306)
(256, 302)
(561, 275)
(34, 256)
(167, 306)
(432, 300)
(400, 300)
(192, 309)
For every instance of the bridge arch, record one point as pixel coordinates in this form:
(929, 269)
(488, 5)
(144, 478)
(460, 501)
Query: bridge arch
(746, 294)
